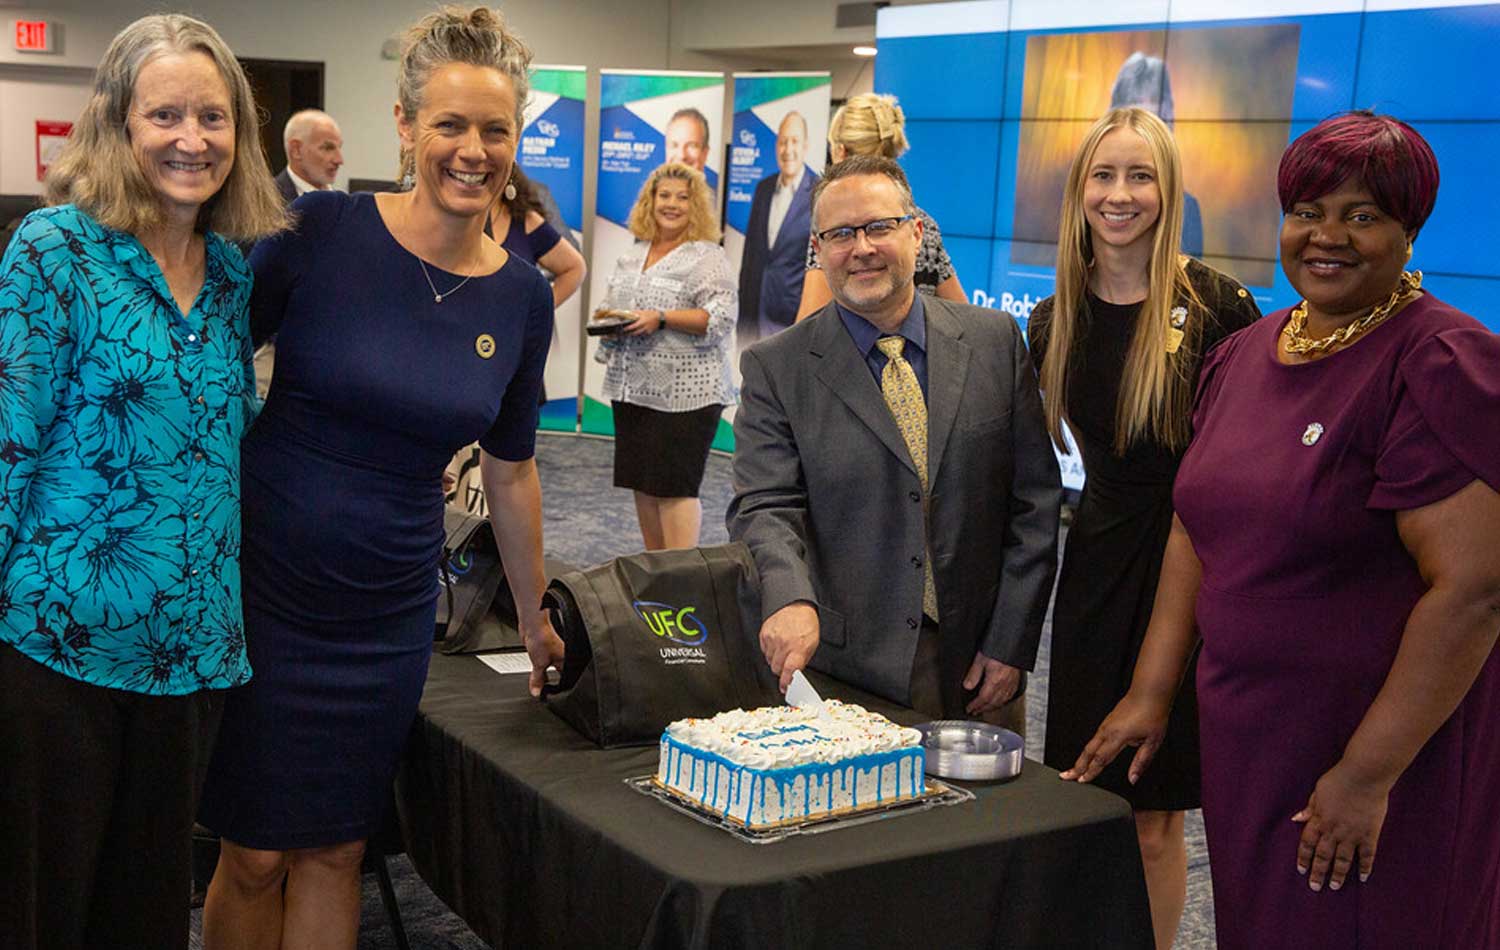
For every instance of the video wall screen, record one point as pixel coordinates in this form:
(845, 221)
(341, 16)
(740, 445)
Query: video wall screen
(999, 93)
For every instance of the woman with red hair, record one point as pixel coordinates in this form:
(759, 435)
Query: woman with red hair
(1338, 533)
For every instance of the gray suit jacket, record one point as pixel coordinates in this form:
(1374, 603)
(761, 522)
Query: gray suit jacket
(828, 501)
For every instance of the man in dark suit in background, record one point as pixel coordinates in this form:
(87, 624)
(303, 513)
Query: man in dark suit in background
(893, 477)
(775, 257)
(314, 153)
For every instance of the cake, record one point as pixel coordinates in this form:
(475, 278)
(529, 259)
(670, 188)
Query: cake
(778, 764)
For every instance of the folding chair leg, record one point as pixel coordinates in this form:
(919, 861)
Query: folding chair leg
(388, 897)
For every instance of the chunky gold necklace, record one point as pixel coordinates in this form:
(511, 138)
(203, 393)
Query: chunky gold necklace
(1296, 327)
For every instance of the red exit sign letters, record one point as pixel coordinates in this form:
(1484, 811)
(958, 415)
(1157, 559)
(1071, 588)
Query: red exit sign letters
(35, 36)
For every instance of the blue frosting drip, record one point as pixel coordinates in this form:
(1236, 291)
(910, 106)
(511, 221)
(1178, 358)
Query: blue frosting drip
(903, 759)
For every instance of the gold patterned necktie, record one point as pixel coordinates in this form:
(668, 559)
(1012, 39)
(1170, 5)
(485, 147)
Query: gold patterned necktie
(903, 394)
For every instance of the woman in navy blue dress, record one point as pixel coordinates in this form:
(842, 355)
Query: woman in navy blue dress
(403, 333)
(517, 224)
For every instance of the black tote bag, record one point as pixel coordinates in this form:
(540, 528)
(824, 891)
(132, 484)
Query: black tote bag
(655, 637)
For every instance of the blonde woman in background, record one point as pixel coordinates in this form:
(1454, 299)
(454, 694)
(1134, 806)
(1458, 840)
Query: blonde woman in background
(871, 124)
(1119, 346)
(667, 372)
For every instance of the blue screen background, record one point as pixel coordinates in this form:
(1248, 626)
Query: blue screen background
(962, 98)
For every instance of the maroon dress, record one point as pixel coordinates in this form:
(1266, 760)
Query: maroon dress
(1289, 493)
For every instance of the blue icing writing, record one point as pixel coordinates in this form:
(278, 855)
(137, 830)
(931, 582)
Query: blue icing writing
(780, 731)
(791, 742)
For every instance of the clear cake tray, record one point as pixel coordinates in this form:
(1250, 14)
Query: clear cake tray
(937, 794)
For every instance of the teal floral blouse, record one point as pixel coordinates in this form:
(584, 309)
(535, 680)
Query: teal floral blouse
(120, 422)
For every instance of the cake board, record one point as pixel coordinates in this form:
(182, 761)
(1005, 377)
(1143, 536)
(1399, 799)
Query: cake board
(936, 795)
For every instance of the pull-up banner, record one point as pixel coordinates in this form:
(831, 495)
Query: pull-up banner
(777, 147)
(552, 156)
(646, 118)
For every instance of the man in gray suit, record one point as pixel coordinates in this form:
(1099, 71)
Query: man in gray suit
(893, 477)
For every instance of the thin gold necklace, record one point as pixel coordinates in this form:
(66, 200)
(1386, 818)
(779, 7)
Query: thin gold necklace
(1295, 332)
(438, 297)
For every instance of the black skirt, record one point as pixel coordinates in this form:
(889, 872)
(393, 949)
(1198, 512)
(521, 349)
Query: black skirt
(663, 453)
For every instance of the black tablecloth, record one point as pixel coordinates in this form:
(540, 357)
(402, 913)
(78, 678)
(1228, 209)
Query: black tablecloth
(529, 833)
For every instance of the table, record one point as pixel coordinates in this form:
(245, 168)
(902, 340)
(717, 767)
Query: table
(528, 832)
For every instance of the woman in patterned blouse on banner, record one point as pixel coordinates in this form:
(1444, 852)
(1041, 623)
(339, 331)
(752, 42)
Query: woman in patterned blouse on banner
(125, 384)
(668, 370)
(873, 124)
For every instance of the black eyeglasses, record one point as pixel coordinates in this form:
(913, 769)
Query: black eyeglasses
(877, 232)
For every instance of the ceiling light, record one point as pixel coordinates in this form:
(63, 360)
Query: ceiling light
(864, 51)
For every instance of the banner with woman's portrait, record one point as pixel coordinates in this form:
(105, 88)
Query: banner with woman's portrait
(646, 118)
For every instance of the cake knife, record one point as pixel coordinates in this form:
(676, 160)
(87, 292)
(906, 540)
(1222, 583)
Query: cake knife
(801, 693)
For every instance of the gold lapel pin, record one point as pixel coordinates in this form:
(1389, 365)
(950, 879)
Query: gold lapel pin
(484, 345)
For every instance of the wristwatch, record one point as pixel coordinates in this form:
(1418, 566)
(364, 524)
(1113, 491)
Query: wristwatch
(662, 316)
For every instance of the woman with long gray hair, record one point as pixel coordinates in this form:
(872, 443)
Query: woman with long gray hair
(125, 385)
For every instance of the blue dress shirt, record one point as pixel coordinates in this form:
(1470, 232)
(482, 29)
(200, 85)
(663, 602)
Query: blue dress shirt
(120, 423)
(914, 328)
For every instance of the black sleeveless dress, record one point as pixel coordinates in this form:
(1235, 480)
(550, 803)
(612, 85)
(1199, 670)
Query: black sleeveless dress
(1114, 548)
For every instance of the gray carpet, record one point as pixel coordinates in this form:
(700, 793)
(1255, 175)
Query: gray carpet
(586, 521)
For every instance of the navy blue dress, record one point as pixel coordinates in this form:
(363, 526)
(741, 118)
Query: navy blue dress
(376, 387)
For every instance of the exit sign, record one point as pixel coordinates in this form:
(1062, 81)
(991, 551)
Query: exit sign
(35, 36)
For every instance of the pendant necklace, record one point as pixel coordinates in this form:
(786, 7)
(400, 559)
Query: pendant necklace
(438, 297)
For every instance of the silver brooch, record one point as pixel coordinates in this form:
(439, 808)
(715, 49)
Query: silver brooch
(1312, 433)
(1179, 317)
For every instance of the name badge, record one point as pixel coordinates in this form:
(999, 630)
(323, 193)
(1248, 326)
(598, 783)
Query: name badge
(666, 283)
(1174, 339)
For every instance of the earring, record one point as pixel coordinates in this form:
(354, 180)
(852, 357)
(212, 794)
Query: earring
(1408, 250)
(510, 190)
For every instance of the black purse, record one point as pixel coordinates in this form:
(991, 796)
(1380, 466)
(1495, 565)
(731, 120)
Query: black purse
(655, 637)
(476, 612)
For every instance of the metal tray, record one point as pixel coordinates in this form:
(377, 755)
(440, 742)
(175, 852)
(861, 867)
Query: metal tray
(972, 751)
(937, 794)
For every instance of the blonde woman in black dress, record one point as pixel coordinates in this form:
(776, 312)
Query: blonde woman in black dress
(1118, 347)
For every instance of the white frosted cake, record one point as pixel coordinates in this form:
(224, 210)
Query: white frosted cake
(781, 764)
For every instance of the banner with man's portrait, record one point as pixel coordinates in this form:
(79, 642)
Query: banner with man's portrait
(777, 148)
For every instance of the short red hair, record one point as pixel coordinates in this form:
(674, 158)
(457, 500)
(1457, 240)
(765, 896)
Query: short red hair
(1388, 156)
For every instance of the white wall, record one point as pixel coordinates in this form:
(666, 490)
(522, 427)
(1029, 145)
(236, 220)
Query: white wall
(346, 36)
(29, 93)
(726, 24)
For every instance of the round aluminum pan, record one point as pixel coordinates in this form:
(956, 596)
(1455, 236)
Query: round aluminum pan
(972, 751)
